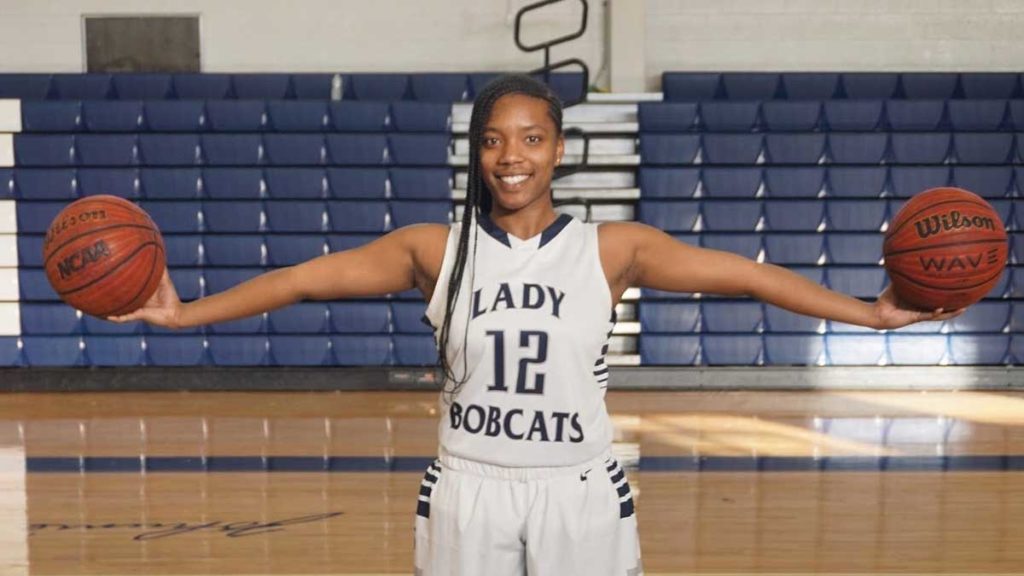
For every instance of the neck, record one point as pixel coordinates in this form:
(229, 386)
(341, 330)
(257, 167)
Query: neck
(525, 222)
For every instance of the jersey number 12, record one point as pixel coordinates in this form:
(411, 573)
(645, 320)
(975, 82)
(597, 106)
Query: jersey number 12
(526, 338)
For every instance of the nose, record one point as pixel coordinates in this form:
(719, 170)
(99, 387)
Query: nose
(510, 153)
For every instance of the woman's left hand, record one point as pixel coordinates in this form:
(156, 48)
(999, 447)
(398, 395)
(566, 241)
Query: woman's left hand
(891, 312)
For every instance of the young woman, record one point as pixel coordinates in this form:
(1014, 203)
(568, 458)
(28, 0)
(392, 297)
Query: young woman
(522, 303)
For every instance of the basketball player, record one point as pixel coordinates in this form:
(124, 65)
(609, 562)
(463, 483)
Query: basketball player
(522, 303)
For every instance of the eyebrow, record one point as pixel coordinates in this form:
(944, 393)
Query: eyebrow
(523, 128)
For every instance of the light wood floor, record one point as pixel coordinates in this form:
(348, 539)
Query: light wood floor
(725, 482)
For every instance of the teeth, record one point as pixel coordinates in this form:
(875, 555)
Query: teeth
(514, 179)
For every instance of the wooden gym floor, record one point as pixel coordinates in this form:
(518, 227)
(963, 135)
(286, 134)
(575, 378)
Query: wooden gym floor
(326, 483)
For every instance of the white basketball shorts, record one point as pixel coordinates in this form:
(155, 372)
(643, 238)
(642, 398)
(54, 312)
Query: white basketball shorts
(474, 519)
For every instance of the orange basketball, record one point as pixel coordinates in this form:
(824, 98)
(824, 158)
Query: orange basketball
(946, 248)
(103, 255)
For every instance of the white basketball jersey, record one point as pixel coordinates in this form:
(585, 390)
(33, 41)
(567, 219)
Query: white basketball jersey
(539, 315)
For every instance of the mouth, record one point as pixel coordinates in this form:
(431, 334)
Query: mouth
(513, 180)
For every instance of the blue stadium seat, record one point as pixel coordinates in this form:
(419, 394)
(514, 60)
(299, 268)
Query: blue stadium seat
(348, 216)
(378, 86)
(869, 85)
(666, 116)
(81, 86)
(301, 318)
(34, 287)
(567, 85)
(35, 217)
(439, 87)
(46, 184)
(362, 350)
(793, 349)
(738, 182)
(360, 317)
(169, 150)
(977, 115)
(51, 116)
(732, 350)
(348, 116)
(731, 148)
(983, 148)
(786, 116)
(985, 316)
(855, 349)
(170, 183)
(1007, 213)
(799, 182)
(668, 148)
(921, 148)
(810, 85)
(678, 216)
(358, 183)
(175, 115)
(357, 149)
(979, 349)
(233, 250)
(750, 85)
(421, 183)
(1017, 315)
(863, 249)
(236, 115)
(407, 318)
(52, 350)
(415, 350)
(303, 350)
(301, 216)
(669, 317)
(107, 150)
(1002, 287)
(915, 115)
(730, 216)
(294, 149)
(982, 85)
(112, 115)
(115, 350)
(853, 115)
(175, 350)
(241, 350)
(30, 250)
(233, 183)
(406, 213)
(794, 216)
(171, 217)
(142, 86)
(262, 86)
(859, 282)
(986, 181)
(668, 182)
(730, 116)
(747, 245)
(857, 147)
(49, 318)
(723, 316)
(202, 86)
(220, 279)
(44, 150)
(7, 188)
(857, 181)
(691, 86)
(232, 149)
(10, 355)
(922, 85)
(669, 350)
(240, 217)
(341, 242)
(909, 180)
(778, 320)
(917, 349)
(419, 149)
(188, 282)
(183, 249)
(795, 148)
(25, 86)
(296, 183)
(288, 250)
(794, 248)
(297, 115)
(121, 182)
(1016, 248)
(315, 86)
(421, 116)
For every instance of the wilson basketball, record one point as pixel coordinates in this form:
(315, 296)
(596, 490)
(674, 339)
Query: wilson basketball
(946, 248)
(103, 255)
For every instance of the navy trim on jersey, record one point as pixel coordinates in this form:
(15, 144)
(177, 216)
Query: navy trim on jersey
(430, 478)
(618, 478)
(549, 234)
(546, 236)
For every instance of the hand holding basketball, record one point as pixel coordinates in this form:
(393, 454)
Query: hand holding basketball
(162, 308)
(892, 312)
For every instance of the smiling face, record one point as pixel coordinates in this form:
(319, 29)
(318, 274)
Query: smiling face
(519, 149)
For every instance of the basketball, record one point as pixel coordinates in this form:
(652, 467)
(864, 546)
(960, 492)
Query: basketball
(946, 248)
(103, 255)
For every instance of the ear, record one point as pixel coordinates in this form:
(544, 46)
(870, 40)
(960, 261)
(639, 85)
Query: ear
(560, 150)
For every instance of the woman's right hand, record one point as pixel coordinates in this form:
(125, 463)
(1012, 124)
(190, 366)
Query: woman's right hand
(163, 308)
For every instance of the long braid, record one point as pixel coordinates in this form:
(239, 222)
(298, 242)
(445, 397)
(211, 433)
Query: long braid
(479, 201)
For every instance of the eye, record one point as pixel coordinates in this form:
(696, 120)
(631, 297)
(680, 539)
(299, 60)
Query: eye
(533, 139)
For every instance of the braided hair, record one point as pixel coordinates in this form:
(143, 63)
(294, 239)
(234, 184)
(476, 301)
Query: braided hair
(478, 197)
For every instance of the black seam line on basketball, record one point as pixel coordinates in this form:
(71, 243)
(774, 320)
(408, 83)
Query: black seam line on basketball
(945, 245)
(152, 267)
(930, 206)
(127, 259)
(89, 232)
(957, 289)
